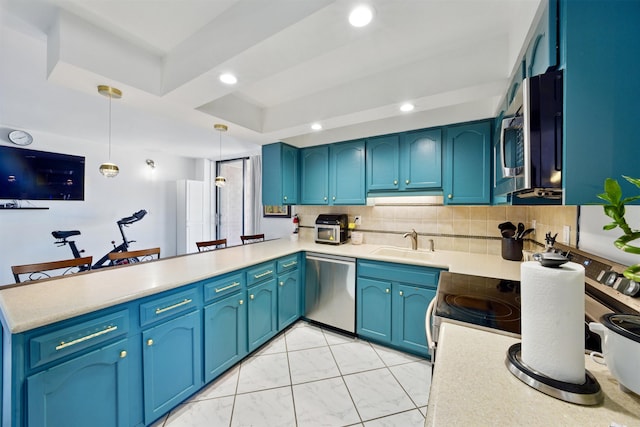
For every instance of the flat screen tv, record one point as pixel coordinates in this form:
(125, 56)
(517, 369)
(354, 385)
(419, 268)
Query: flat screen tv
(40, 175)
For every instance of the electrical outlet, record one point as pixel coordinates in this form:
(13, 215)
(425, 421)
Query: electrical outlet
(533, 224)
(357, 220)
(566, 233)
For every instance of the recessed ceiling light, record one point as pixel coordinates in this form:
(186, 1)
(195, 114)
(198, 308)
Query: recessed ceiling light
(228, 78)
(406, 107)
(360, 16)
(316, 126)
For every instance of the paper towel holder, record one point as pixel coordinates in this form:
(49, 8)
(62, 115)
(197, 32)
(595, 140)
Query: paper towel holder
(550, 259)
(587, 394)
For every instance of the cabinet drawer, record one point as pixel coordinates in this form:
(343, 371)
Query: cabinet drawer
(62, 342)
(261, 273)
(422, 276)
(164, 307)
(225, 285)
(287, 264)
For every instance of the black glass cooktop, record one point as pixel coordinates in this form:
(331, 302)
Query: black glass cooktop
(482, 301)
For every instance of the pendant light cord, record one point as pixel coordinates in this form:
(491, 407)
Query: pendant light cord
(110, 127)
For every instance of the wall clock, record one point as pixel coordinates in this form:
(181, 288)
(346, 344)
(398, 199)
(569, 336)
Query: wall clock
(20, 137)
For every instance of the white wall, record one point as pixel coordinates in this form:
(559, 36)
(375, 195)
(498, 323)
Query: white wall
(26, 234)
(600, 242)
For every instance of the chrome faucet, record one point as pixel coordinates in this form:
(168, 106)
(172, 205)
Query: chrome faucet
(414, 239)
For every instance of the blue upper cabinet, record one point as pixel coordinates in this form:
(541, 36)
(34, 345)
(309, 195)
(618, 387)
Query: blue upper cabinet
(333, 174)
(346, 172)
(383, 163)
(280, 174)
(421, 160)
(408, 161)
(468, 164)
(314, 175)
(601, 96)
(542, 51)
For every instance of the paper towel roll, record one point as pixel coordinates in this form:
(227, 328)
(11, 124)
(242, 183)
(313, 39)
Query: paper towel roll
(553, 320)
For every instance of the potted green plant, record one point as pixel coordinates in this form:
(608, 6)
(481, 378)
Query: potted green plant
(615, 210)
(619, 332)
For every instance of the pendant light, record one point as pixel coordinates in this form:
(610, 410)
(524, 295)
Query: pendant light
(109, 169)
(221, 181)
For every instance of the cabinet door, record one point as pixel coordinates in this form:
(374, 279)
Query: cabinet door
(172, 363)
(90, 390)
(314, 175)
(346, 171)
(373, 309)
(468, 175)
(383, 162)
(542, 50)
(409, 309)
(421, 160)
(288, 298)
(225, 334)
(290, 174)
(262, 313)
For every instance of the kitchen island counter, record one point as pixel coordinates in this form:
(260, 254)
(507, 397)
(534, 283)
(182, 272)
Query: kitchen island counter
(472, 386)
(31, 305)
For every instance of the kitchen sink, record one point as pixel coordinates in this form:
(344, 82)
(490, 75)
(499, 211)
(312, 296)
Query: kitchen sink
(391, 251)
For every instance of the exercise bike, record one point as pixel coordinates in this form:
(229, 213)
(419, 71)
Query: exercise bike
(62, 239)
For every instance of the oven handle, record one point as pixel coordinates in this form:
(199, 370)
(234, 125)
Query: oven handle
(428, 327)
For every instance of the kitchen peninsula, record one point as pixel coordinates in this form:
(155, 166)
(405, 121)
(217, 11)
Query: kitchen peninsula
(119, 328)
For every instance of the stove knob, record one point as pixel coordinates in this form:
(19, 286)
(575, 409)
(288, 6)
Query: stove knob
(632, 289)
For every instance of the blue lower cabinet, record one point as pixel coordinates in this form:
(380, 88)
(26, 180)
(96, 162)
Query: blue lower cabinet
(262, 313)
(373, 308)
(90, 390)
(289, 287)
(172, 363)
(225, 334)
(409, 309)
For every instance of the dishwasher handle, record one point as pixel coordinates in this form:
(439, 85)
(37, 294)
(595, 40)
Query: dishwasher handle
(428, 328)
(345, 261)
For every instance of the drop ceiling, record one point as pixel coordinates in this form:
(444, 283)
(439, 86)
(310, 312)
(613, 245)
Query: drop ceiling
(297, 63)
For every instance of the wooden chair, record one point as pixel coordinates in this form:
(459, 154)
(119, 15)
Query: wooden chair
(45, 270)
(211, 245)
(252, 238)
(130, 257)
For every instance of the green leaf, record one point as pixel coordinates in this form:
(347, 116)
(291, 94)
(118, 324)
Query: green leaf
(634, 181)
(633, 273)
(612, 188)
(623, 243)
(604, 196)
(630, 199)
(610, 226)
(611, 212)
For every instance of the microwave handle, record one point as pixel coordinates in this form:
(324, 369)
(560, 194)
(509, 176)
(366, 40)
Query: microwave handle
(506, 172)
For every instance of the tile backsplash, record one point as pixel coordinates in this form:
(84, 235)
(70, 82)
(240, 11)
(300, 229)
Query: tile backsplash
(460, 228)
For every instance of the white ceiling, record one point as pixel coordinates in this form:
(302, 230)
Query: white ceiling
(297, 62)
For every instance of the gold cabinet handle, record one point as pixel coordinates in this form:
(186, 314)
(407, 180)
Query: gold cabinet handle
(149, 342)
(266, 273)
(251, 297)
(123, 354)
(387, 290)
(395, 182)
(291, 264)
(334, 197)
(241, 302)
(401, 293)
(281, 283)
(233, 285)
(285, 198)
(106, 330)
(450, 196)
(406, 181)
(325, 198)
(171, 307)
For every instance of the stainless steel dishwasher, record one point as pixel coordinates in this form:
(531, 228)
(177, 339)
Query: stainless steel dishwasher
(330, 288)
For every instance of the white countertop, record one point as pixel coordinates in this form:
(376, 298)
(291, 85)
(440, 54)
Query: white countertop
(41, 303)
(472, 386)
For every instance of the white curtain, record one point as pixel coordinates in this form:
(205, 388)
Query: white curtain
(255, 194)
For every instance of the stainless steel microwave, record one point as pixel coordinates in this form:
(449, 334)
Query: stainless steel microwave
(529, 157)
(331, 228)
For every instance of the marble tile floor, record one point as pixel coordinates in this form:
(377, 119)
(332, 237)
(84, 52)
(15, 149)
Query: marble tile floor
(309, 376)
